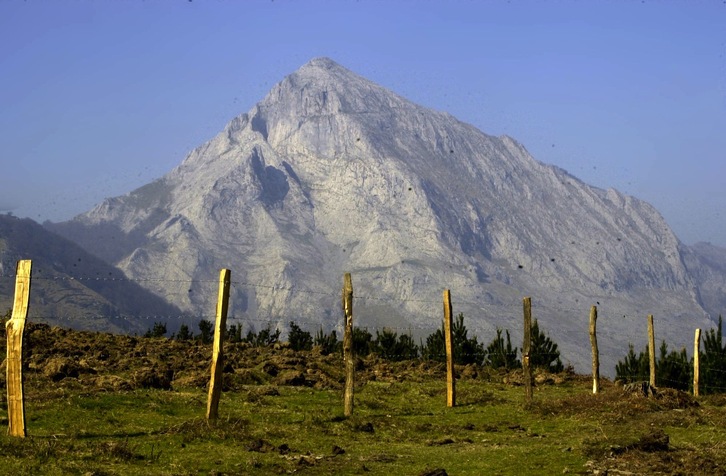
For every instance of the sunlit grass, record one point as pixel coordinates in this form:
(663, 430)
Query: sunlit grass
(399, 427)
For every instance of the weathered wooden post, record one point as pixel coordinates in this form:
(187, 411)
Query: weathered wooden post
(14, 366)
(348, 355)
(696, 361)
(450, 377)
(215, 382)
(651, 349)
(595, 354)
(527, 347)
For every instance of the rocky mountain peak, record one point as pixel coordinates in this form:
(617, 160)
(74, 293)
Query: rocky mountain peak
(331, 173)
(325, 105)
(324, 70)
(321, 79)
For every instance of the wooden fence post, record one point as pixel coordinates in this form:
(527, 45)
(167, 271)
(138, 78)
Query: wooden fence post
(348, 354)
(450, 378)
(651, 349)
(526, 348)
(14, 366)
(696, 361)
(215, 382)
(595, 354)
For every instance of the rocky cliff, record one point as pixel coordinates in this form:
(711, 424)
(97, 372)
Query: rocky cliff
(331, 173)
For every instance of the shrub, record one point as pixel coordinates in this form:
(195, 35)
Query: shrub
(234, 333)
(543, 351)
(673, 369)
(362, 342)
(501, 355)
(634, 368)
(390, 346)
(328, 343)
(466, 350)
(206, 329)
(264, 338)
(434, 349)
(184, 333)
(299, 339)
(158, 330)
(713, 361)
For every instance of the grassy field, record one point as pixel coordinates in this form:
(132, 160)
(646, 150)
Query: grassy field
(401, 424)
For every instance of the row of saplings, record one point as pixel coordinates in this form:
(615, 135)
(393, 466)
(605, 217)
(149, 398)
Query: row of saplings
(389, 345)
(673, 369)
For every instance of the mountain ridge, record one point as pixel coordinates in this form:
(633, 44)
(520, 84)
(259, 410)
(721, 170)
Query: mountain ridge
(331, 173)
(73, 288)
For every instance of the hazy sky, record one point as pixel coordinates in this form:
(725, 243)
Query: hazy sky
(100, 97)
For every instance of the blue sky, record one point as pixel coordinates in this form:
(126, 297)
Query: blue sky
(100, 97)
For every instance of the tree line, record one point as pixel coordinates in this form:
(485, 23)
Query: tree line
(673, 368)
(389, 345)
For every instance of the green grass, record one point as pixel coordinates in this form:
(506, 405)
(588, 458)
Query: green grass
(401, 425)
(397, 428)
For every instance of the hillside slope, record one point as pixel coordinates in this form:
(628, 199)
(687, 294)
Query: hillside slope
(73, 288)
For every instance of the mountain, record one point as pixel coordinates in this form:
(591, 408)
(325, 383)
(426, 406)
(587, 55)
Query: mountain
(331, 173)
(706, 263)
(71, 287)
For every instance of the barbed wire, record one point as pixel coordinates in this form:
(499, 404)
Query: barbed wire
(502, 308)
(486, 307)
(297, 318)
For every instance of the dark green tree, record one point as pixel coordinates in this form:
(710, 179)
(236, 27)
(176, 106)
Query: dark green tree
(362, 342)
(390, 346)
(407, 348)
(328, 343)
(184, 333)
(543, 352)
(434, 348)
(234, 333)
(673, 369)
(158, 330)
(500, 354)
(206, 329)
(8, 315)
(298, 338)
(713, 361)
(466, 350)
(634, 367)
(264, 338)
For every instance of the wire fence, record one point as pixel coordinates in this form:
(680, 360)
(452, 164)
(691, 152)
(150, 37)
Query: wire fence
(309, 323)
(192, 284)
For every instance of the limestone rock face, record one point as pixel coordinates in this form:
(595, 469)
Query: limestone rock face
(706, 264)
(331, 173)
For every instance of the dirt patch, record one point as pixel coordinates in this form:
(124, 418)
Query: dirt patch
(58, 368)
(153, 377)
(294, 378)
(434, 472)
(107, 362)
(616, 405)
(112, 383)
